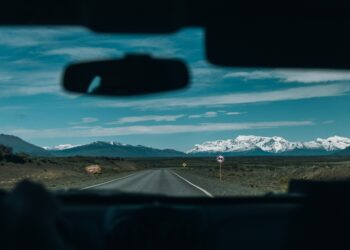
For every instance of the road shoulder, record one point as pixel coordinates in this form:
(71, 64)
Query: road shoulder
(215, 186)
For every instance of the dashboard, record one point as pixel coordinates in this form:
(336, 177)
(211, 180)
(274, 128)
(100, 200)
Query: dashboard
(33, 218)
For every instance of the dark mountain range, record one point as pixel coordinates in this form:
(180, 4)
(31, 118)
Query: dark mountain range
(343, 152)
(113, 149)
(20, 146)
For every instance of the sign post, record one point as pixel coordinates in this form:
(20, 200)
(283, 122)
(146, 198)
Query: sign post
(220, 159)
(184, 164)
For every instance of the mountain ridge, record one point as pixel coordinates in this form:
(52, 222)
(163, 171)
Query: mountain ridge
(19, 145)
(272, 145)
(116, 149)
(242, 145)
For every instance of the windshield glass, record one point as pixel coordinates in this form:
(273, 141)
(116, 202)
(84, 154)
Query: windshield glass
(268, 125)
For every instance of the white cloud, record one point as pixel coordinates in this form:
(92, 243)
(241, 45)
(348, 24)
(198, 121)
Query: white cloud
(159, 42)
(212, 114)
(25, 37)
(157, 118)
(25, 83)
(233, 113)
(328, 122)
(159, 45)
(80, 126)
(297, 93)
(209, 114)
(29, 76)
(298, 76)
(150, 130)
(82, 53)
(89, 119)
(12, 108)
(31, 82)
(204, 74)
(30, 90)
(85, 120)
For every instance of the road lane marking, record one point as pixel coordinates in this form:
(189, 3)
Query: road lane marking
(194, 185)
(100, 184)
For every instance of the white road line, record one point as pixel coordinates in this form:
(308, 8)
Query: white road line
(201, 189)
(100, 184)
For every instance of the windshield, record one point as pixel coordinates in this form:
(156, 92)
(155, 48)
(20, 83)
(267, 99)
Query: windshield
(234, 131)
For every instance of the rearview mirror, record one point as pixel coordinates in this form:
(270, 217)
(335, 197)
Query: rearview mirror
(131, 75)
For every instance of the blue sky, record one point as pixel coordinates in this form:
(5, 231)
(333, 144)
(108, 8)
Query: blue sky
(220, 104)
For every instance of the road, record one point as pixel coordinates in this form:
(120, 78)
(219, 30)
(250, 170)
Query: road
(155, 181)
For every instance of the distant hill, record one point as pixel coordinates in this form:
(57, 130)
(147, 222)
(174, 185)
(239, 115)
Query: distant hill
(343, 152)
(307, 152)
(259, 152)
(20, 146)
(114, 149)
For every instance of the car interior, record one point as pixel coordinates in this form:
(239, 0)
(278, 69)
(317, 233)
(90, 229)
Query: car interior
(285, 34)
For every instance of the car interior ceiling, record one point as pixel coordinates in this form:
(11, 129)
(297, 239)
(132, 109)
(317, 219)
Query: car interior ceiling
(287, 34)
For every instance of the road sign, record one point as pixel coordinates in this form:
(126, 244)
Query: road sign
(184, 164)
(220, 159)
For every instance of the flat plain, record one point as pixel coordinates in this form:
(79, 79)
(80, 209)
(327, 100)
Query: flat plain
(240, 175)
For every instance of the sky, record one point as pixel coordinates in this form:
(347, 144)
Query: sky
(221, 103)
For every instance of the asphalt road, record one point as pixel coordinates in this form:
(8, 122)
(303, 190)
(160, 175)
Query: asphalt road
(157, 181)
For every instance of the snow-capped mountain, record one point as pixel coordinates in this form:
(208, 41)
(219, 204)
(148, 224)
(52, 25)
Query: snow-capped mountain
(69, 146)
(114, 149)
(112, 143)
(275, 145)
(330, 144)
(61, 147)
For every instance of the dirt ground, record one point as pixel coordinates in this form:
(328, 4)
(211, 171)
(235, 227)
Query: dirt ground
(62, 173)
(262, 174)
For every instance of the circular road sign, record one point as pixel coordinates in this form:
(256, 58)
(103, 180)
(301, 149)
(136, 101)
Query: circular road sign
(220, 159)
(184, 164)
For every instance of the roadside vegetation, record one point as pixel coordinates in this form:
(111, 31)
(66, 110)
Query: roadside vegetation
(256, 175)
(240, 175)
(60, 173)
